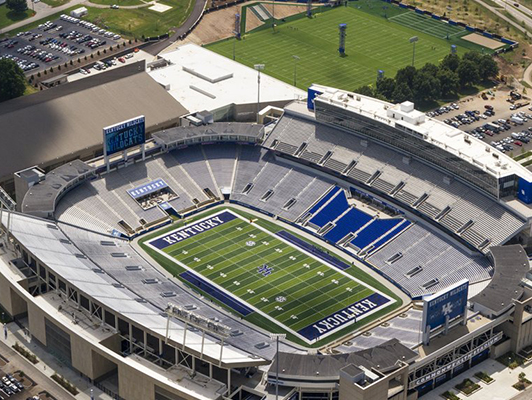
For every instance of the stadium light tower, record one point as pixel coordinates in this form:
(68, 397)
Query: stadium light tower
(234, 43)
(277, 337)
(296, 59)
(342, 33)
(413, 40)
(273, 15)
(258, 67)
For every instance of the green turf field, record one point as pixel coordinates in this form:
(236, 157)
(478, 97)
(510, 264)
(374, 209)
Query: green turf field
(426, 24)
(297, 292)
(373, 42)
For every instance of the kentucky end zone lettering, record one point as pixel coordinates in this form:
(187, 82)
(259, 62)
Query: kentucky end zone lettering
(350, 314)
(192, 230)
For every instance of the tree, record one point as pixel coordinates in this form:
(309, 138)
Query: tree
(429, 68)
(12, 78)
(17, 5)
(402, 92)
(522, 377)
(468, 73)
(449, 82)
(385, 87)
(426, 87)
(406, 75)
(450, 61)
(473, 56)
(487, 67)
(365, 91)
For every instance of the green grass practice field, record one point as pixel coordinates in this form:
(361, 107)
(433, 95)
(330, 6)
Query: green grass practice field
(373, 42)
(278, 280)
(141, 21)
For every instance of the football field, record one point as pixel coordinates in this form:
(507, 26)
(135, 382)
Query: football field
(373, 43)
(253, 270)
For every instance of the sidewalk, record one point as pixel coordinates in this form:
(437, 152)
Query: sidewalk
(500, 389)
(48, 365)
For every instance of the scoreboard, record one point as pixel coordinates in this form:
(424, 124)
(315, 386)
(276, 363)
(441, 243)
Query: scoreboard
(445, 305)
(122, 136)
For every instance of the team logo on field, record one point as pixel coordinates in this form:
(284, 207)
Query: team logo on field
(280, 299)
(250, 243)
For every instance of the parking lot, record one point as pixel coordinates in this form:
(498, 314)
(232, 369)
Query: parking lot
(505, 125)
(11, 387)
(56, 43)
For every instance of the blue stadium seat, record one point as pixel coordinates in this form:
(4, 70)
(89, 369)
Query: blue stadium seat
(374, 231)
(352, 221)
(390, 235)
(324, 200)
(331, 211)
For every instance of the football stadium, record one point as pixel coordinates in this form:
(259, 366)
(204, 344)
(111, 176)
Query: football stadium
(347, 248)
(196, 225)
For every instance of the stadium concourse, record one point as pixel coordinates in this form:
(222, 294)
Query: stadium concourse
(374, 191)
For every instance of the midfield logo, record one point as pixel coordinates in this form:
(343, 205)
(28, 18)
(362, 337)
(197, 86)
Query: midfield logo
(265, 270)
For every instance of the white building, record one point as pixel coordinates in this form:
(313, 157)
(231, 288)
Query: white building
(203, 80)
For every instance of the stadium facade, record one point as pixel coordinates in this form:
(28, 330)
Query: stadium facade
(447, 209)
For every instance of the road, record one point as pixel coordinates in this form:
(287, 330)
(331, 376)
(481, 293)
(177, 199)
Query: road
(146, 4)
(496, 11)
(197, 12)
(521, 13)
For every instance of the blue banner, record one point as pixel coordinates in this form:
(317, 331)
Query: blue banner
(218, 294)
(124, 135)
(147, 188)
(192, 230)
(347, 315)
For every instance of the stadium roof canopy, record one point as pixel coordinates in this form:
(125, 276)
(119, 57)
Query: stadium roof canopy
(173, 135)
(203, 80)
(65, 122)
(383, 357)
(43, 196)
(511, 266)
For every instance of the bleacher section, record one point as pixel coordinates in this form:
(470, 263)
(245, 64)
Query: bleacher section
(335, 220)
(372, 246)
(194, 165)
(478, 220)
(275, 186)
(377, 229)
(101, 204)
(420, 254)
(352, 221)
(296, 193)
(221, 159)
(330, 211)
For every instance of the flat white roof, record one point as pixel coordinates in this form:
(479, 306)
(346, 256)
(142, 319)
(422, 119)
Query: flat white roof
(203, 80)
(436, 132)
